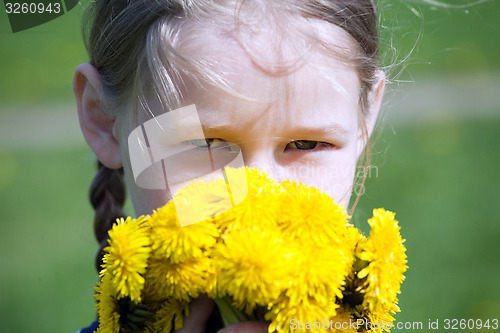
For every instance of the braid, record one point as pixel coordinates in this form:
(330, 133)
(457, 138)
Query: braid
(107, 196)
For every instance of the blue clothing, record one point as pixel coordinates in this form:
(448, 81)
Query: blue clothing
(90, 329)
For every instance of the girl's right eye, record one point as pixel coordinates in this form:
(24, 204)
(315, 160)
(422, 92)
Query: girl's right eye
(303, 144)
(209, 143)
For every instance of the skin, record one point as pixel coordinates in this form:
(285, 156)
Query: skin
(279, 110)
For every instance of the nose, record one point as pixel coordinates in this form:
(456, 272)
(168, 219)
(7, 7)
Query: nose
(265, 159)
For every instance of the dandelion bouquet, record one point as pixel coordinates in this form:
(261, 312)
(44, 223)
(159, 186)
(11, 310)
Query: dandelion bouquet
(285, 253)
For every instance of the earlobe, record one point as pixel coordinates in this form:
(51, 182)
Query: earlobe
(96, 124)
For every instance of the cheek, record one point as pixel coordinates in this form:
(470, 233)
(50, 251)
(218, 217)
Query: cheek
(143, 200)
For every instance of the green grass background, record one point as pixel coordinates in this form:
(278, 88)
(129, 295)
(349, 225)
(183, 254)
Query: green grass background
(440, 176)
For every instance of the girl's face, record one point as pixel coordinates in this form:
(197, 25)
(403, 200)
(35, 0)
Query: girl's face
(300, 126)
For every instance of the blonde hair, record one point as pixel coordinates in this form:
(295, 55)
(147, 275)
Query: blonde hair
(134, 44)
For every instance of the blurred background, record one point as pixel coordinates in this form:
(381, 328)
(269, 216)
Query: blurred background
(435, 162)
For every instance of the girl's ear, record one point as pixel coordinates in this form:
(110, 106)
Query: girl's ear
(375, 97)
(95, 122)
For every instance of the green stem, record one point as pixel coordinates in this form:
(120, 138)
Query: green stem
(230, 315)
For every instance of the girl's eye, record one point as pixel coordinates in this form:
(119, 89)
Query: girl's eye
(303, 144)
(209, 143)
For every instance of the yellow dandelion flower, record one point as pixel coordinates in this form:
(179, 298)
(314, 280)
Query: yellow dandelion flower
(320, 274)
(310, 216)
(303, 317)
(253, 267)
(200, 201)
(260, 206)
(253, 210)
(252, 181)
(256, 244)
(171, 240)
(127, 256)
(342, 322)
(182, 281)
(170, 315)
(352, 296)
(107, 306)
(239, 182)
(380, 320)
(385, 253)
(354, 237)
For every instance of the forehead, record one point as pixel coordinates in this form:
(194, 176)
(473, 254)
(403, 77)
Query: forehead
(262, 65)
(275, 44)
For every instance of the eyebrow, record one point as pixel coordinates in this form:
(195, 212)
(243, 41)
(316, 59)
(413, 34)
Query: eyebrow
(332, 129)
(335, 129)
(300, 132)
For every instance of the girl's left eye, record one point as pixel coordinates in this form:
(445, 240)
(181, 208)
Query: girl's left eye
(305, 144)
(209, 143)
